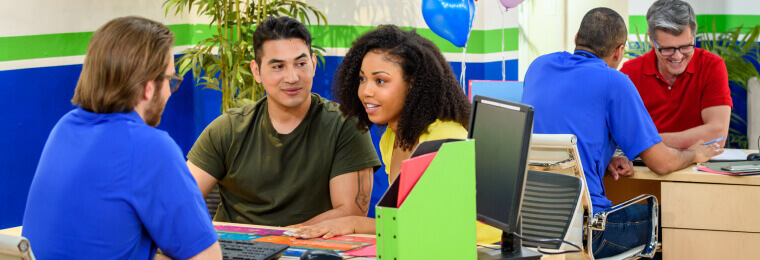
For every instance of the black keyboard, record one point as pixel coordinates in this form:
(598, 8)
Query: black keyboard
(250, 250)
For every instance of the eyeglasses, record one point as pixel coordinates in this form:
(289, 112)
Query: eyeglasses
(686, 49)
(174, 81)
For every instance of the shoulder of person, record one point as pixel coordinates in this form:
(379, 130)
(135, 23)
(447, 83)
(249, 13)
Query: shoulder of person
(246, 110)
(325, 104)
(328, 110)
(708, 57)
(553, 55)
(618, 78)
(444, 129)
(239, 115)
(445, 125)
(154, 140)
(634, 65)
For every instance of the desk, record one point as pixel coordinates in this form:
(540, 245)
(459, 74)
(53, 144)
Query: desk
(16, 231)
(703, 215)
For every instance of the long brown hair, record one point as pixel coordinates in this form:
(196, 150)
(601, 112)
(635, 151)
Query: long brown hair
(122, 56)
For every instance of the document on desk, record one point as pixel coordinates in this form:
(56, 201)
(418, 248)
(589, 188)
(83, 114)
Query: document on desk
(717, 167)
(730, 155)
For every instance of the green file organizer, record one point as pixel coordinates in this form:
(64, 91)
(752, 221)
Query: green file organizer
(437, 219)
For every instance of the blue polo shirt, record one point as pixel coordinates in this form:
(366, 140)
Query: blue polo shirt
(108, 186)
(579, 94)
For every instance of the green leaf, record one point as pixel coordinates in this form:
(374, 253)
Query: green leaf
(184, 67)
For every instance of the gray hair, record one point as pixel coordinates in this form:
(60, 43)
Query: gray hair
(671, 16)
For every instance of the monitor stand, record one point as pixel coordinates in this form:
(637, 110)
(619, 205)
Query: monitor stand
(511, 248)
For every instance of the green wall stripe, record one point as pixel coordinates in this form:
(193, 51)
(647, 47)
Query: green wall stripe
(43, 46)
(72, 44)
(332, 36)
(481, 41)
(723, 22)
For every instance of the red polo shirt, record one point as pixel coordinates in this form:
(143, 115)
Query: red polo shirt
(676, 108)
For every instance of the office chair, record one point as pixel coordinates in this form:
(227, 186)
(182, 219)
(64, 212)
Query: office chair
(13, 247)
(559, 153)
(549, 203)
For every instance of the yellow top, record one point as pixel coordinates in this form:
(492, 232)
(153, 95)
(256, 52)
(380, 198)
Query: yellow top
(436, 131)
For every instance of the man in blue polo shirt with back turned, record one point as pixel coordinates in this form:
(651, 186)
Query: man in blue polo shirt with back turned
(109, 185)
(582, 94)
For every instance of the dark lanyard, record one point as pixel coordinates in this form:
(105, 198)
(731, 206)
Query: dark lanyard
(584, 54)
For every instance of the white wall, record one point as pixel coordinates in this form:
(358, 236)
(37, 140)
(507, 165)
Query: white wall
(548, 26)
(33, 17)
(734, 7)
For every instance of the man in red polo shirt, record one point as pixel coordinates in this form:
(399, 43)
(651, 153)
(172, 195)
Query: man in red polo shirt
(684, 88)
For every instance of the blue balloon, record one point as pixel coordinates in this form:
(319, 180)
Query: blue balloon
(450, 19)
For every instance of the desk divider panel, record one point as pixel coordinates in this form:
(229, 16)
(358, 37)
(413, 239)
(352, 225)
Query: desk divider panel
(437, 219)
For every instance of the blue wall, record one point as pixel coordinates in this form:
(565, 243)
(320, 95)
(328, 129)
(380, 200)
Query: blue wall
(36, 98)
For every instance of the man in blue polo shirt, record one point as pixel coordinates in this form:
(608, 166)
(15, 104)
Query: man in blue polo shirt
(109, 185)
(581, 93)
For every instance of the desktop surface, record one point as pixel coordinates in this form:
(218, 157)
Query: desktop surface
(703, 215)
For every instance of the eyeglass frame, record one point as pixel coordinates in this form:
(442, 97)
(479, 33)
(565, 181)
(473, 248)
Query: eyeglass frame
(693, 45)
(173, 78)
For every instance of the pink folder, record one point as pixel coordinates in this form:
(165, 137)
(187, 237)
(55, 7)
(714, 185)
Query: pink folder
(411, 171)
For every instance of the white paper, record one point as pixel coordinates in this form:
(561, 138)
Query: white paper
(731, 155)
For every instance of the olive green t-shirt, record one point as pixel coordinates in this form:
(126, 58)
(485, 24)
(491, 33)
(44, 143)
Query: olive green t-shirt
(273, 179)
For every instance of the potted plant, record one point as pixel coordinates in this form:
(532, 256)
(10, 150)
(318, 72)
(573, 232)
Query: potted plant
(222, 61)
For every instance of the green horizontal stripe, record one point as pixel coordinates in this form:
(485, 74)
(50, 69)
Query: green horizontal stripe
(481, 41)
(723, 22)
(333, 36)
(72, 44)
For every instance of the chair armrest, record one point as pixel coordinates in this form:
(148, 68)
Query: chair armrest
(599, 221)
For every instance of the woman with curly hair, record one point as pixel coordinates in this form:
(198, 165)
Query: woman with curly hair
(400, 80)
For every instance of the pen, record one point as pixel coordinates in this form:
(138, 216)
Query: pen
(716, 140)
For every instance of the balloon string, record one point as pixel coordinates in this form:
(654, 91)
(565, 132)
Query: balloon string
(503, 66)
(464, 67)
(464, 57)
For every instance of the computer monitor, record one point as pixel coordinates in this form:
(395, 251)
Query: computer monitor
(502, 132)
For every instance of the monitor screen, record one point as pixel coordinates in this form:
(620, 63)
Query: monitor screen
(502, 133)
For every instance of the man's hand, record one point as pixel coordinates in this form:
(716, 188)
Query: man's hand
(703, 153)
(328, 228)
(619, 166)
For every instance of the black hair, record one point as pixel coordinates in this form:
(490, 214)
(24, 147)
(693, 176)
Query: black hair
(278, 28)
(434, 91)
(602, 31)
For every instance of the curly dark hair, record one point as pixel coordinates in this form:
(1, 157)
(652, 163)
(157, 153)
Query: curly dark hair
(434, 94)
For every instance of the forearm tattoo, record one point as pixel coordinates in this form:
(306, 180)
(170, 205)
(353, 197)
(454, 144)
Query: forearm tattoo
(364, 180)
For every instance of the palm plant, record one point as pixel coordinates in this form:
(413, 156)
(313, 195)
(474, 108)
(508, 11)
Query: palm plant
(638, 47)
(738, 47)
(222, 62)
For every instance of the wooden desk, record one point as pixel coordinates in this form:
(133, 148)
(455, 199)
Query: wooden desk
(16, 231)
(703, 215)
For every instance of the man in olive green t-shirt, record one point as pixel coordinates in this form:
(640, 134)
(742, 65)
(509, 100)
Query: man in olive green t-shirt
(291, 158)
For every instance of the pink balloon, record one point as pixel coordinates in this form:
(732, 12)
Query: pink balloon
(510, 3)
